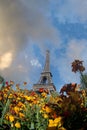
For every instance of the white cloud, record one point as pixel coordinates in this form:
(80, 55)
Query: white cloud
(22, 23)
(77, 49)
(5, 60)
(21, 68)
(35, 62)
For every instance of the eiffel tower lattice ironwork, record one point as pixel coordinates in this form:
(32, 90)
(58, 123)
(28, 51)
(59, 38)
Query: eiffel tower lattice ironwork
(45, 80)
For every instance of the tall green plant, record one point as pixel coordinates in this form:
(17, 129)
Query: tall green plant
(83, 79)
(35, 119)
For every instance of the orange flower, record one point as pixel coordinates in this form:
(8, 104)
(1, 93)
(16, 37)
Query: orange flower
(48, 109)
(0, 98)
(21, 115)
(20, 104)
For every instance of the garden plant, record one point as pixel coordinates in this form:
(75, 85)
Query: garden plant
(23, 109)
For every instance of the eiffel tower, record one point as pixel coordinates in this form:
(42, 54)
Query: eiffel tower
(45, 80)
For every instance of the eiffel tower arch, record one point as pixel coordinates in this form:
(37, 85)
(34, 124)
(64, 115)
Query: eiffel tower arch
(45, 80)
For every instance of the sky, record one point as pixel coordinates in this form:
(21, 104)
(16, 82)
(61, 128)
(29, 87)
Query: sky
(30, 27)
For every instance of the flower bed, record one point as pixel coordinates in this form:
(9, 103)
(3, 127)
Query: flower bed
(22, 109)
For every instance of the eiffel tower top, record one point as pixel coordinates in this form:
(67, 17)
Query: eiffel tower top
(47, 62)
(45, 80)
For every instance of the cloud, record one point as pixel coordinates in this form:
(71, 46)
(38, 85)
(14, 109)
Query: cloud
(74, 49)
(5, 60)
(77, 49)
(22, 21)
(24, 24)
(73, 11)
(35, 62)
(26, 31)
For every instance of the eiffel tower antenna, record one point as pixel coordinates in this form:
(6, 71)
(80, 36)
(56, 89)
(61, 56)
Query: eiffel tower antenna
(45, 80)
(47, 62)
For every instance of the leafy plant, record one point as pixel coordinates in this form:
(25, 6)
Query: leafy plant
(77, 66)
(22, 109)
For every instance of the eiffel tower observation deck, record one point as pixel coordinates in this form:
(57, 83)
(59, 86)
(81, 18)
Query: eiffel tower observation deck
(45, 80)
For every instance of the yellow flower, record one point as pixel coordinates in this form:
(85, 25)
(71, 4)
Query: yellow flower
(18, 98)
(61, 128)
(83, 93)
(7, 117)
(17, 125)
(45, 116)
(43, 94)
(30, 104)
(41, 111)
(10, 96)
(48, 109)
(51, 123)
(11, 118)
(58, 119)
(20, 104)
(21, 115)
(16, 109)
(56, 122)
(43, 107)
(5, 95)
(28, 98)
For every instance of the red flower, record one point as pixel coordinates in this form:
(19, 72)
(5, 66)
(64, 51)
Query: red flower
(41, 90)
(77, 65)
(6, 83)
(32, 93)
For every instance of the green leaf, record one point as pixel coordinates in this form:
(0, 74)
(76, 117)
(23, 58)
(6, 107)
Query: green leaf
(4, 111)
(32, 126)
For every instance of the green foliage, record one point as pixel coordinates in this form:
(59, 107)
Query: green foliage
(54, 94)
(1, 79)
(35, 120)
(26, 110)
(83, 79)
(2, 82)
(76, 121)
